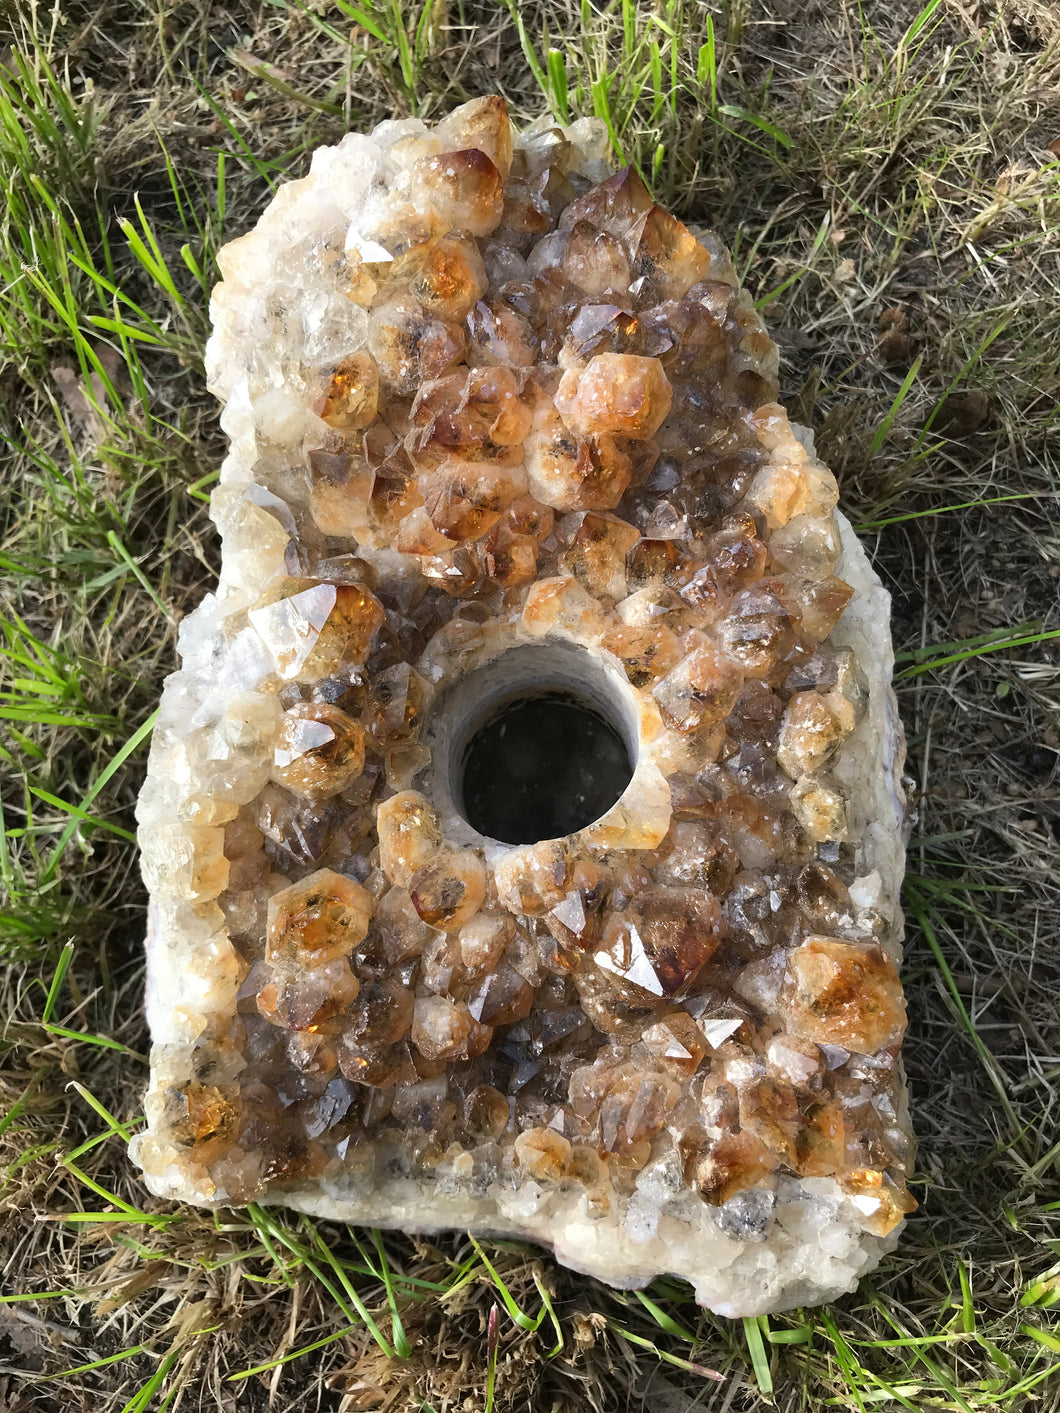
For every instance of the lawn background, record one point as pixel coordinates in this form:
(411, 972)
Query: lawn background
(888, 178)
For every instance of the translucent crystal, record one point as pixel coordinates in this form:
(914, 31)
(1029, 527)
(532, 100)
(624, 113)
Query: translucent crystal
(315, 632)
(353, 394)
(677, 1043)
(449, 890)
(812, 729)
(618, 393)
(571, 472)
(318, 920)
(662, 947)
(646, 653)
(482, 124)
(204, 1119)
(700, 690)
(319, 750)
(446, 276)
(598, 551)
(844, 993)
(503, 997)
(820, 808)
(409, 835)
(464, 188)
(408, 343)
(541, 1153)
(445, 1030)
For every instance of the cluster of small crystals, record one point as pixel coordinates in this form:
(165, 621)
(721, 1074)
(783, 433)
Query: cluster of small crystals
(531, 396)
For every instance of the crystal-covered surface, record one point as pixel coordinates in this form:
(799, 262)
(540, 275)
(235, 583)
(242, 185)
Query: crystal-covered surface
(483, 393)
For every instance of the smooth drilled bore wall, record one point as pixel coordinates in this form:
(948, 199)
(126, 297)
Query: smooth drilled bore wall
(536, 744)
(542, 765)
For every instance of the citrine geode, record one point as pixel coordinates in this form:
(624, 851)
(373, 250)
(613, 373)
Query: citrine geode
(498, 422)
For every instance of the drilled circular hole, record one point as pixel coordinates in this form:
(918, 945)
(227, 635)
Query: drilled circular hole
(542, 765)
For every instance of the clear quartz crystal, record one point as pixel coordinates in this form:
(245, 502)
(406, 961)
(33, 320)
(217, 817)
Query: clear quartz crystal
(483, 395)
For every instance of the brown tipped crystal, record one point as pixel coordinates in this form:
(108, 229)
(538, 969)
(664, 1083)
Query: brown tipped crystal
(619, 393)
(318, 920)
(319, 750)
(844, 993)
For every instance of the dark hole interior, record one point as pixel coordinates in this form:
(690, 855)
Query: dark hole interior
(542, 766)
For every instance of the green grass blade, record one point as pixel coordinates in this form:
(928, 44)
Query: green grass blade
(131, 746)
(732, 110)
(81, 814)
(277, 1363)
(863, 526)
(920, 668)
(557, 84)
(883, 431)
(753, 1330)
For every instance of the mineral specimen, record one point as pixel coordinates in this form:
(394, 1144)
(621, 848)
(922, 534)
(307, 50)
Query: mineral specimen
(504, 444)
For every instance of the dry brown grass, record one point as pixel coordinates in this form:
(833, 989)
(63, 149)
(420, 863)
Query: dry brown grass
(917, 172)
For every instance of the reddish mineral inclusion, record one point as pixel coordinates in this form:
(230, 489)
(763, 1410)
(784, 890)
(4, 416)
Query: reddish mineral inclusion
(604, 957)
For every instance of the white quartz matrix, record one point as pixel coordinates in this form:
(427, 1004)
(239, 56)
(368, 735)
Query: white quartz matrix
(499, 423)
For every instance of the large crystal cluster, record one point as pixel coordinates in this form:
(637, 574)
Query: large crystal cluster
(486, 398)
